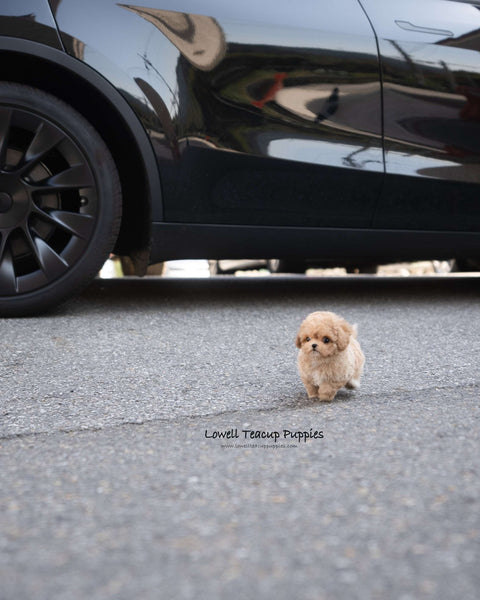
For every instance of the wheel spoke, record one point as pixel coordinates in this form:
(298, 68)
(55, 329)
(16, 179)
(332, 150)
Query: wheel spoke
(3, 243)
(78, 224)
(78, 176)
(8, 279)
(51, 263)
(46, 138)
(5, 120)
(32, 244)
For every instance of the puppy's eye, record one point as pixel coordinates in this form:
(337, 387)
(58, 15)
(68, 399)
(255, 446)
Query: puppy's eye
(326, 340)
(307, 339)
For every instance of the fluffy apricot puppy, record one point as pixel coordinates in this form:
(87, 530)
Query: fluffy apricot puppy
(330, 356)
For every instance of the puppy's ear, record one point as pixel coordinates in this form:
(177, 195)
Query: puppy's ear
(344, 332)
(298, 341)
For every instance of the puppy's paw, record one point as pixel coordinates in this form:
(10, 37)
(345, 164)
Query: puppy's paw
(312, 390)
(326, 393)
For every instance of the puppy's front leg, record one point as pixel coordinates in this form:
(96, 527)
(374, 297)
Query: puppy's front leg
(311, 389)
(327, 391)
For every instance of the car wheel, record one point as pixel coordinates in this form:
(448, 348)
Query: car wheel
(60, 200)
(276, 265)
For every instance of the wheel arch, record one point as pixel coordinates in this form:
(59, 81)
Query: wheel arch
(110, 114)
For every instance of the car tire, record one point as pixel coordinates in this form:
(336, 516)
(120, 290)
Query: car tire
(60, 201)
(276, 265)
(465, 265)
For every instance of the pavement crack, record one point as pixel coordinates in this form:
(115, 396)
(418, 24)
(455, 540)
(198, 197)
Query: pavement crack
(305, 403)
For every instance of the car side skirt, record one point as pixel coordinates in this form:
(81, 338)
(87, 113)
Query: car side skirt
(172, 241)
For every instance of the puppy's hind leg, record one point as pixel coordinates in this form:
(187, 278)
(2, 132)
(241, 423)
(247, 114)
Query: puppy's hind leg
(353, 384)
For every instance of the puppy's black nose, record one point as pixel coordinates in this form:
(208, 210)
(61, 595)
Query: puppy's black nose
(314, 346)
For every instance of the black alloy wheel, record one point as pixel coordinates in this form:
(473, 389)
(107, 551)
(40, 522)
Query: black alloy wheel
(60, 200)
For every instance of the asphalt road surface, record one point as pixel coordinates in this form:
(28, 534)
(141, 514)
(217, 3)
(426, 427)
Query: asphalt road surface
(115, 484)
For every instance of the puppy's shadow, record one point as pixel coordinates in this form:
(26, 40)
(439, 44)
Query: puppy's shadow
(301, 400)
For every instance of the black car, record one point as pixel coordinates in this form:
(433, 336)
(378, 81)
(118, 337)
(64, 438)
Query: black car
(344, 132)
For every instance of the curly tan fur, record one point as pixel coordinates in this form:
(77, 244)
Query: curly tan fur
(330, 356)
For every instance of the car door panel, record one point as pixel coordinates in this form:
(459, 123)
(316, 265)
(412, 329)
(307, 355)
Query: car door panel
(267, 113)
(431, 95)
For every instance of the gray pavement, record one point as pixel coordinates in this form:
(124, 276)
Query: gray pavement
(110, 489)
